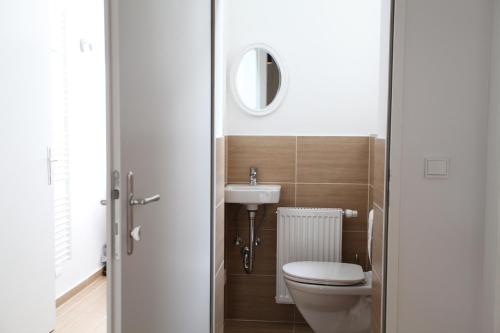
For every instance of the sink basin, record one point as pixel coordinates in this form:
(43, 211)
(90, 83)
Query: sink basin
(252, 195)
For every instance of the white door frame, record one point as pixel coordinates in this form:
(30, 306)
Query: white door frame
(391, 282)
(112, 156)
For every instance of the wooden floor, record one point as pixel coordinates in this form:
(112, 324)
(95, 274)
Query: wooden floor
(85, 312)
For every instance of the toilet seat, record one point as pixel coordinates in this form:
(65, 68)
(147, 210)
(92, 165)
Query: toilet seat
(324, 273)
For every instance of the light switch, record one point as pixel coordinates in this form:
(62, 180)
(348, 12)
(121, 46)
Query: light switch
(437, 167)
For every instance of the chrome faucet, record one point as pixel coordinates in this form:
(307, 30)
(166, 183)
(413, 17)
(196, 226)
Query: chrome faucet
(253, 176)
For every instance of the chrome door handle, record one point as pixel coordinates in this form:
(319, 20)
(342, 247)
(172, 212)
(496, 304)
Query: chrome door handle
(145, 201)
(49, 165)
(133, 232)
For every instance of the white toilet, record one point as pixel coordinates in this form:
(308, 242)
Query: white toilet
(333, 297)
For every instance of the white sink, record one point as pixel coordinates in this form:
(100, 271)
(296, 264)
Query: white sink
(252, 195)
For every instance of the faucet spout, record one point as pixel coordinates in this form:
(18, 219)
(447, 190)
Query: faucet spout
(253, 176)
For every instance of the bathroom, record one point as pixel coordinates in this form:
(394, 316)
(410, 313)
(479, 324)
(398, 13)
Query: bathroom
(254, 166)
(310, 115)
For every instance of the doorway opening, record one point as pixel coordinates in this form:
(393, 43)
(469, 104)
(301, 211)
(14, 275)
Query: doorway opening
(77, 163)
(317, 146)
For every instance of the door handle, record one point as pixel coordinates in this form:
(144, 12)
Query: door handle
(49, 165)
(133, 232)
(145, 201)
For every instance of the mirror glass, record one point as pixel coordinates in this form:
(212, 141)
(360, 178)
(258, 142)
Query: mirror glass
(258, 79)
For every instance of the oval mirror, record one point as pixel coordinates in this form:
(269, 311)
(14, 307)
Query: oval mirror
(258, 81)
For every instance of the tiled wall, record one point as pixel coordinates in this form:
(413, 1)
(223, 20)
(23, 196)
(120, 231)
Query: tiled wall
(219, 271)
(313, 172)
(377, 203)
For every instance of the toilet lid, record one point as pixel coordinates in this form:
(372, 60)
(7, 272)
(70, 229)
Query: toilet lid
(326, 273)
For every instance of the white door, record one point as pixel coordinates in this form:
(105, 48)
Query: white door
(161, 103)
(26, 250)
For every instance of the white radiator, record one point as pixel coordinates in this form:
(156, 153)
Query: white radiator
(306, 234)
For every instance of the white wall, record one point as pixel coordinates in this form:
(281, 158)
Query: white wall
(444, 112)
(384, 63)
(331, 52)
(220, 70)
(491, 286)
(87, 142)
(26, 211)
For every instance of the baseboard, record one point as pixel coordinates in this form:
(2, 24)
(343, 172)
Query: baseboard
(85, 283)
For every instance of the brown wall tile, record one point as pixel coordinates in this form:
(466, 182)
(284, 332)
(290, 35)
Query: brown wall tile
(298, 318)
(226, 154)
(332, 160)
(377, 242)
(378, 229)
(220, 168)
(274, 156)
(239, 326)
(370, 198)
(219, 236)
(371, 158)
(379, 173)
(219, 302)
(337, 196)
(251, 297)
(230, 211)
(378, 223)
(302, 328)
(265, 253)
(355, 243)
(376, 303)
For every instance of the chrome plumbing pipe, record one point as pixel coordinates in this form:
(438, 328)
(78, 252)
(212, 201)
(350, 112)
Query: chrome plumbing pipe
(248, 251)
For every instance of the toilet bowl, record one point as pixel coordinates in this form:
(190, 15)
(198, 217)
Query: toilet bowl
(332, 297)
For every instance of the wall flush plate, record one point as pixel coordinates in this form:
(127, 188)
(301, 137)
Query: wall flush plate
(437, 167)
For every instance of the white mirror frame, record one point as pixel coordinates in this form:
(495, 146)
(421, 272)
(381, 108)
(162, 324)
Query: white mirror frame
(283, 84)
